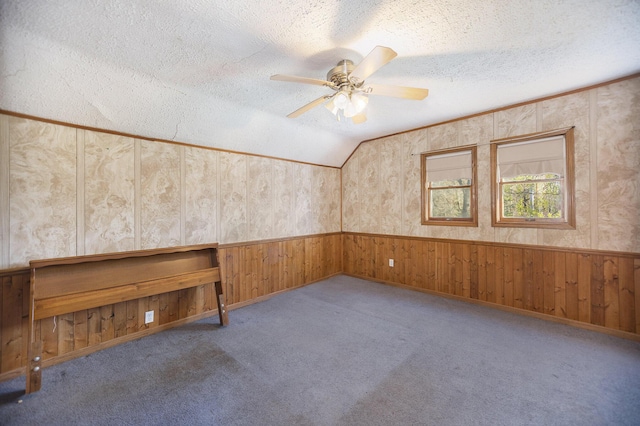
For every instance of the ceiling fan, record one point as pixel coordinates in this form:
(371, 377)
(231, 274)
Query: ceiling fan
(351, 91)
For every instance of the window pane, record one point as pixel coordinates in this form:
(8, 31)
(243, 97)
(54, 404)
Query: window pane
(457, 182)
(532, 199)
(450, 203)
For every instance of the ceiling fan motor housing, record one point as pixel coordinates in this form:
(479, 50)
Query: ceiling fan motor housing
(338, 75)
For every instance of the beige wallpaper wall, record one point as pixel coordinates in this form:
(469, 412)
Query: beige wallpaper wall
(67, 192)
(381, 181)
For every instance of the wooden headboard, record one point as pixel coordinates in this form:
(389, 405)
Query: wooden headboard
(65, 285)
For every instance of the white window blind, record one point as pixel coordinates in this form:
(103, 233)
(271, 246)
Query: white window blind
(456, 165)
(532, 157)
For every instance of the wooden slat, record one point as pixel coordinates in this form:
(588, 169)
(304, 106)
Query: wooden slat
(636, 290)
(132, 316)
(107, 327)
(173, 306)
(611, 293)
(80, 330)
(163, 309)
(549, 283)
(457, 265)
(74, 302)
(518, 278)
(120, 319)
(94, 326)
(432, 266)
(466, 270)
(538, 280)
(597, 290)
(65, 333)
(627, 297)
(49, 337)
(482, 272)
(11, 350)
(473, 271)
(560, 278)
(584, 288)
(508, 276)
(571, 286)
(143, 307)
(491, 274)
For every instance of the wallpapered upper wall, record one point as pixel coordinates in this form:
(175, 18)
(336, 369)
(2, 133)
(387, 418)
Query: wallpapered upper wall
(68, 192)
(381, 181)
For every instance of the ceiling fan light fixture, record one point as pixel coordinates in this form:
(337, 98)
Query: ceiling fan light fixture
(349, 104)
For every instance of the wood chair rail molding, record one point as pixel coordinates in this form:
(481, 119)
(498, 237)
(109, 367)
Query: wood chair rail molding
(66, 285)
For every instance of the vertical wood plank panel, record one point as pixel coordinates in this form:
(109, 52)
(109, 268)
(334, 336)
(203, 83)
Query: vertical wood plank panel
(549, 283)
(482, 272)
(518, 278)
(560, 286)
(65, 333)
(491, 274)
(499, 275)
(107, 327)
(474, 273)
(94, 326)
(527, 276)
(173, 306)
(11, 353)
(538, 281)
(143, 307)
(636, 290)
(183, 305)
(597, 290)
(120, 319)
(627, 297)
(132, 316)
(154, 305)
(456, 267)
(611, 293)
(49, 337)
(466, 270)
(80, 330)
(432, 266)
(571, 285)
(507, 256)
(584, 288)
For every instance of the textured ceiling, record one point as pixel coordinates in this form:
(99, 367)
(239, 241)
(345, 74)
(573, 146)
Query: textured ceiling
(197, 71)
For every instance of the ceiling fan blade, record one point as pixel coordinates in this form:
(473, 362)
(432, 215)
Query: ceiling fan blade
(397, 91)
(305, 80)
(308, 106)
(359, 118)
(378, 57)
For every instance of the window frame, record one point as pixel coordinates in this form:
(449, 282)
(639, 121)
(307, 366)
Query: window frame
(568, 221)
(425, 200)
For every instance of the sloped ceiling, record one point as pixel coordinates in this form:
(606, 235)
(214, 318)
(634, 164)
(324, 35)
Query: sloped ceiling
(197, 71)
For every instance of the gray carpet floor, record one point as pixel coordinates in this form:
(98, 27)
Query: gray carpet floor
(346, 351)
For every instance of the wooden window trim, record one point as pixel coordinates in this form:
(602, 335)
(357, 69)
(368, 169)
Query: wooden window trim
(569, 219)
(424, 190)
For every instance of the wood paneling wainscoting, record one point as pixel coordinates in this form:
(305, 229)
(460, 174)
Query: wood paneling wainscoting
(250, 272)
(588, 288)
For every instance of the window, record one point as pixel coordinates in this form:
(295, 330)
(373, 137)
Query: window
(449, 187)
(533, 180)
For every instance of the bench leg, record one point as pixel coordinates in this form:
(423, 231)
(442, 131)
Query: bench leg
(34, 367)
(222, 308)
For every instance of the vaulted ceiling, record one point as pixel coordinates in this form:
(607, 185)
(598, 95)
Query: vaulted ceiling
(197, 71)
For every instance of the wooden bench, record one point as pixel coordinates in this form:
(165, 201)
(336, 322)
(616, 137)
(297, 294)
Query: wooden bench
(65, 285)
